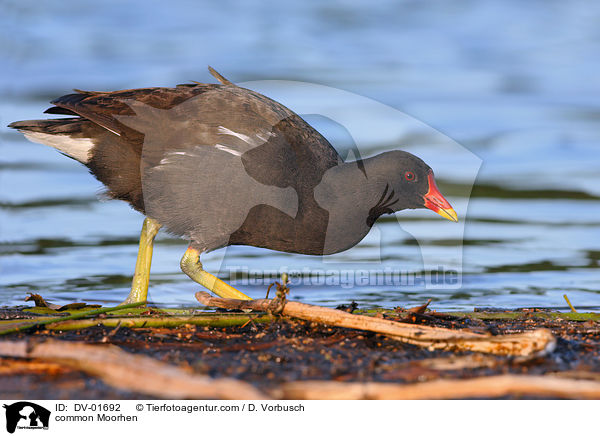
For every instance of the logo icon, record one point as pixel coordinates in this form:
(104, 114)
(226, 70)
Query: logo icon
(26, 415)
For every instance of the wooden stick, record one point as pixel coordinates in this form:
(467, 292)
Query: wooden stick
(455, 363)
(481, 387)
(133, 372)
(531, 343)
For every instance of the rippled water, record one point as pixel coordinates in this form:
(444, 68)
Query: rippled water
(515, 83)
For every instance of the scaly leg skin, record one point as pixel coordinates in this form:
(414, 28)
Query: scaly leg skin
(190, 264)
(141, 276)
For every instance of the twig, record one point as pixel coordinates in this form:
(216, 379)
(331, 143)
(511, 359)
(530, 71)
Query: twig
(269, 289)
(481, 387)
(40, 302)
(133, 372)
(27, 325)
(569, 303)
(455, 363)
(539, 341)
(420, 309)
(113, 332)
(282, 289)
(12, 366)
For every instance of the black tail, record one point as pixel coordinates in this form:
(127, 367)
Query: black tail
(63, 126)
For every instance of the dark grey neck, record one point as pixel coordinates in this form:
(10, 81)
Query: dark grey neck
(355, 194)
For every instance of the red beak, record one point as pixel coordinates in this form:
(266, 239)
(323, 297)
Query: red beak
(435, 201)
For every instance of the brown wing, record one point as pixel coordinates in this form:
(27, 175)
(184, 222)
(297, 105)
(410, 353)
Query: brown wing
(103, 107)
(114, 122)
(116, 154)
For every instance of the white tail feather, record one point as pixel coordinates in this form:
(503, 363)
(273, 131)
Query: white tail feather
(77, 148)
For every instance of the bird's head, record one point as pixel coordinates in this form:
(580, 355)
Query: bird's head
(414, 186)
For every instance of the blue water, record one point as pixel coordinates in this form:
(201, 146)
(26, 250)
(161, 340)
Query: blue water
(514, 83)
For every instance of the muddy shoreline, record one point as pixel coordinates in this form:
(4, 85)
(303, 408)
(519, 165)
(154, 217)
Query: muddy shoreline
(283, 350)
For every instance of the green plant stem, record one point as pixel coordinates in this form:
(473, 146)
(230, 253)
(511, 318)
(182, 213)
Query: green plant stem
(569, 303)
(27, 325)
(164, 322)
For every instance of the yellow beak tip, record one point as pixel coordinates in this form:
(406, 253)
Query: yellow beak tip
(449, 214)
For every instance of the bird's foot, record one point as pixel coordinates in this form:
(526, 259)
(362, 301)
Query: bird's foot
(191, 265)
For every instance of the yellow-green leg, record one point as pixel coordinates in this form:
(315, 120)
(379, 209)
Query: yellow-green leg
(141, 276)
(190, 264)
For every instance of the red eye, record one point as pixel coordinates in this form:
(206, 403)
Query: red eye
(410, 176)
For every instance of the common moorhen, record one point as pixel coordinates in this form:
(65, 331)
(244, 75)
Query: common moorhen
(222, 165)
